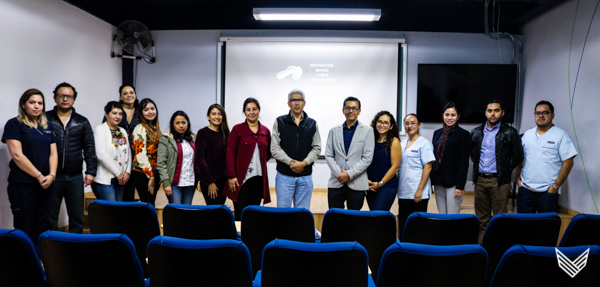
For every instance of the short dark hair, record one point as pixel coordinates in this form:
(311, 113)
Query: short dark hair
(494, 101)
(351, 99)
(250, 100)
(414, 115)
(65, 85)
(544, 102)
(113, 105)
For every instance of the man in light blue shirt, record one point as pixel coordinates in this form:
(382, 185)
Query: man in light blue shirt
(496, 151)
(549, 155)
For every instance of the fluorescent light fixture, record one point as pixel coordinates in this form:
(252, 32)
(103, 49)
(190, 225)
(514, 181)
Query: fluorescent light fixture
(316, 14)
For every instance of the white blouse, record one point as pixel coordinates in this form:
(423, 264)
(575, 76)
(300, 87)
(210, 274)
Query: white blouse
(186, 177)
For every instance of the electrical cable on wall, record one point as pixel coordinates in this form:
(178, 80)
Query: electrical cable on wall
(572, 97)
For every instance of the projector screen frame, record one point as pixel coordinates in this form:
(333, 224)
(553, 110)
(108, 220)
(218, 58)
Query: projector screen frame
(401, 91)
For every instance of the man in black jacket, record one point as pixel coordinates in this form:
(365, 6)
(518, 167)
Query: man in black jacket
(296, 144)
(75, 143)
(496, 151)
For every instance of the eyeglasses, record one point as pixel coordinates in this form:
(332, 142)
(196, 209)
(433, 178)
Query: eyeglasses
(384, 124)
(354, 109)
(69, 97)
(545, 113)
(296, 101)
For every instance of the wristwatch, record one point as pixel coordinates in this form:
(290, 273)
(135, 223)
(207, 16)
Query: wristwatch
(381, 183)
(555, 187)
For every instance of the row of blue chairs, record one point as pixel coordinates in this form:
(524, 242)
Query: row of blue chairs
(111, 260)
(375, 230)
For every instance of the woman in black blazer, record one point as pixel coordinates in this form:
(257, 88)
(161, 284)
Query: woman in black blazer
(452, 148)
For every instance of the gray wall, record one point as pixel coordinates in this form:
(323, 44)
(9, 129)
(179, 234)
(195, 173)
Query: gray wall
(46, 42)
(547, 44)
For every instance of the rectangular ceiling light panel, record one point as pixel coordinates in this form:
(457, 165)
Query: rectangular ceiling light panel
(316, 14)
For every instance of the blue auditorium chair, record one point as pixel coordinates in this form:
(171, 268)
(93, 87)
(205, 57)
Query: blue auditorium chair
(90, 260)
(137, 220)
(525, 266)
(185, 262)
(19, 263)
(262, 224)
(441, 229)
(508, 229)
(198, 221)
(584, 229)
(299, 264)
(416, 265)
(375, 230)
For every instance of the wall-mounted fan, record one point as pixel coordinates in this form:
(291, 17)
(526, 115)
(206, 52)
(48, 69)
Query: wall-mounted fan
(135, 39)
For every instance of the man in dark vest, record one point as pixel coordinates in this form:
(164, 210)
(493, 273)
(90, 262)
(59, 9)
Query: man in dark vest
(295, 144)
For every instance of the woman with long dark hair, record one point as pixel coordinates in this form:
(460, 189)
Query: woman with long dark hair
(176, 160)
(414, 189)
(211, 165)
(452, 146)
(145, 148)
(383, 182)
(33, 166)
(248, 150)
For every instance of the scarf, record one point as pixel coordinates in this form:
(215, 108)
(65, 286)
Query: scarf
(441, 147)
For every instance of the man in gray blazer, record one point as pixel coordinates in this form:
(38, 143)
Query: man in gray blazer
(349, 152)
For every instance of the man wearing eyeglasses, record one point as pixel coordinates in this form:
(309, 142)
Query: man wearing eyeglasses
(296, 145)
(75, 144)
(349, 153)
(549, 155)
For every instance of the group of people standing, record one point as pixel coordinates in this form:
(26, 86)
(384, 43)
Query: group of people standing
(129, 152)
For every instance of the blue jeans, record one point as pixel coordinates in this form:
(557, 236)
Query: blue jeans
(112, 192)
(382, 199)
(297, 189)
(182, 194)
(531, 202)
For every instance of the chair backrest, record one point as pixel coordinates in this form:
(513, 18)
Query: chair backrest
(584, 229)
(137, 220)
(19, 263)
(90, 260)
(539, 266)
(508, 229)
(411, 264)
(289, 263)
(185, 262)
(199, 221)
(375, 230)
(261, 224)
(441, 229)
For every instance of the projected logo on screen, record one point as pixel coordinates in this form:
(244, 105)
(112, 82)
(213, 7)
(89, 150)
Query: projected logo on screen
(295, 71)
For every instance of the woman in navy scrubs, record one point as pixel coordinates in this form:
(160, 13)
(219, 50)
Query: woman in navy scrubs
(33, 166)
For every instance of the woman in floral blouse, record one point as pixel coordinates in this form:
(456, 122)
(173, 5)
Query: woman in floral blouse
(144, 144)
(114, 158)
